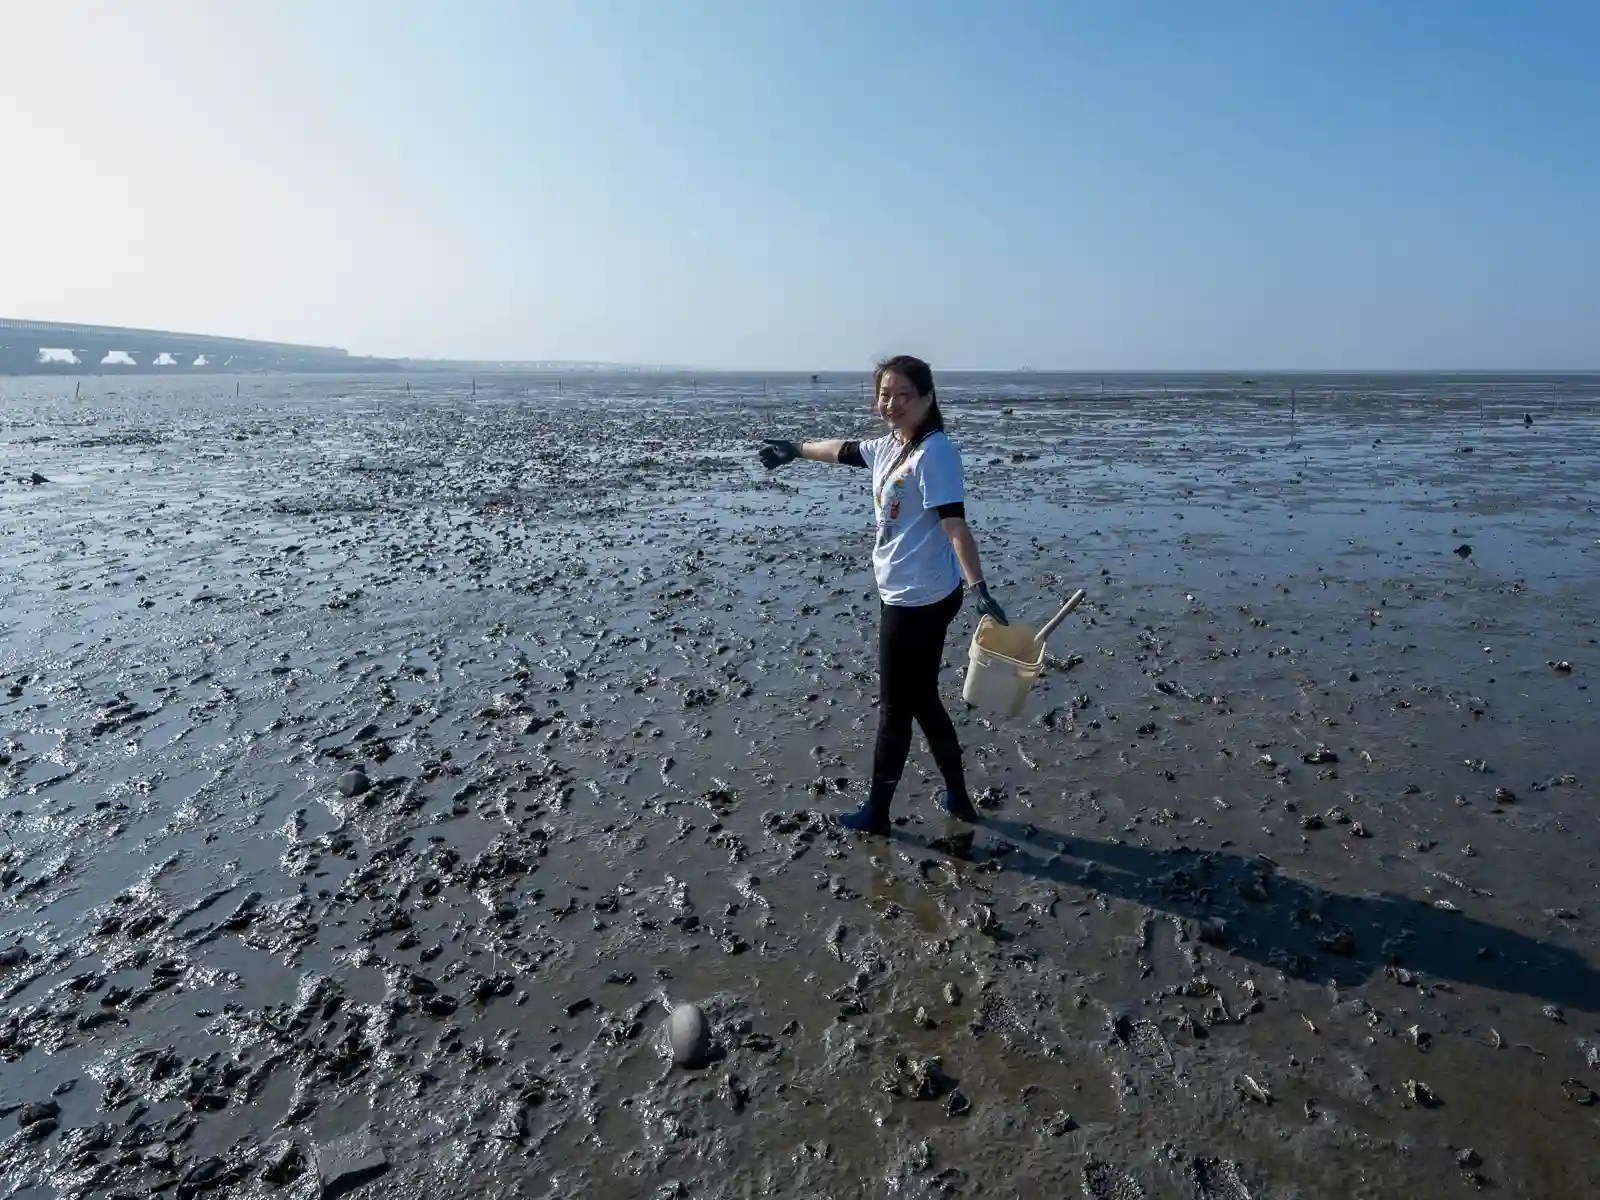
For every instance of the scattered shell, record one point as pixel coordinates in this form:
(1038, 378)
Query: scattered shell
(1420, 1094)
(1577, 1091)
(1251, 1090)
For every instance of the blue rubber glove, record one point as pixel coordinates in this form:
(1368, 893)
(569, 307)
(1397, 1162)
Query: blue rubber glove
(774, 453)
(985, 603)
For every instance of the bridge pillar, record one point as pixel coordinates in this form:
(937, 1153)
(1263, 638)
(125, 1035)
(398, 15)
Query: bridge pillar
(89, 358)
(18, 360)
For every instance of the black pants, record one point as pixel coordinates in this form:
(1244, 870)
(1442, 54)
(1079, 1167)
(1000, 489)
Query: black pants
(910, 648)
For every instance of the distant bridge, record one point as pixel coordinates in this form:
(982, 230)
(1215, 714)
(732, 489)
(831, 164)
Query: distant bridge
(25, 348)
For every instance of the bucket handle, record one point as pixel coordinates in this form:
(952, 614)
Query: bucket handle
(1049, 626)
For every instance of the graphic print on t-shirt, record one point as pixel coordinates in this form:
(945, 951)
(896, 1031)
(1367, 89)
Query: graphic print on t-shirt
(889, 504)
(913, 561)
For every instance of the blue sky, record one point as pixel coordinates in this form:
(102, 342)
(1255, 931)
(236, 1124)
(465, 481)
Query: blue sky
(755, 183)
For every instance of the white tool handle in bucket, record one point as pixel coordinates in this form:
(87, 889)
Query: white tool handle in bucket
(1049, 627)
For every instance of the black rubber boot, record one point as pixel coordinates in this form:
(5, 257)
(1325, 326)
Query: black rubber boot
(873, 814)
(956, 801)
(959, 805)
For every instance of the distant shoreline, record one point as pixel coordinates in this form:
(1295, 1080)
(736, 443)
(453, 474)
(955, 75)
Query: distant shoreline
(1254, 379)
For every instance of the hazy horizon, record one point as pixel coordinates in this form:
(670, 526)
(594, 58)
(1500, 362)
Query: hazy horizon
(1157, 188)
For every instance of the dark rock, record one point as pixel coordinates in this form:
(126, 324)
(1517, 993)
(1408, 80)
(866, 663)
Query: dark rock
(91, 1139)
(1464, 550)
(284, 1162)
(441, 1005)
(349, 1163)
(203, 1176)
(354, 783)
(32, 1114)
(1340, 941)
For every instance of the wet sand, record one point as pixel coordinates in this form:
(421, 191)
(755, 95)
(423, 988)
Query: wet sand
(382, 765)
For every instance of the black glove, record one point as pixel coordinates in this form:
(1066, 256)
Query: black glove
(985, 604)
(775, 453)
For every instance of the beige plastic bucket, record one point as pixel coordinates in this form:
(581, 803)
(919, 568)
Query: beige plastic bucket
(1004, 660)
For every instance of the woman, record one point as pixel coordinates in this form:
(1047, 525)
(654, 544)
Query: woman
(923, 552)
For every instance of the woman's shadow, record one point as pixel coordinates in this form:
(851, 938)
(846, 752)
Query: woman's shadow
(1249, 907)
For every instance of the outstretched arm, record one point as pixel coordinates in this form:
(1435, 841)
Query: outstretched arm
(826, 452)
(775, 453)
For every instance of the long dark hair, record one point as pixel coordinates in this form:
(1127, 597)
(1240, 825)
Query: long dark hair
(920, 376)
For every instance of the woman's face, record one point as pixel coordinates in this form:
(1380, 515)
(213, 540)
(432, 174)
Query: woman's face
(899, 404)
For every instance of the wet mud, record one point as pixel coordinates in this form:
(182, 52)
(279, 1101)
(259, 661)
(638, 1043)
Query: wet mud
(379, 771)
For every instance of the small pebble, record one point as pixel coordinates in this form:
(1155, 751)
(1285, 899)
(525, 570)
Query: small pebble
(690, 1036)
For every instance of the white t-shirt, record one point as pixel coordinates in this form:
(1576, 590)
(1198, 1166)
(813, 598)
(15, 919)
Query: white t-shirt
(912, 559)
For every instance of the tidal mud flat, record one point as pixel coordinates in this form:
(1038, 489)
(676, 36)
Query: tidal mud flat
(376, 768)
